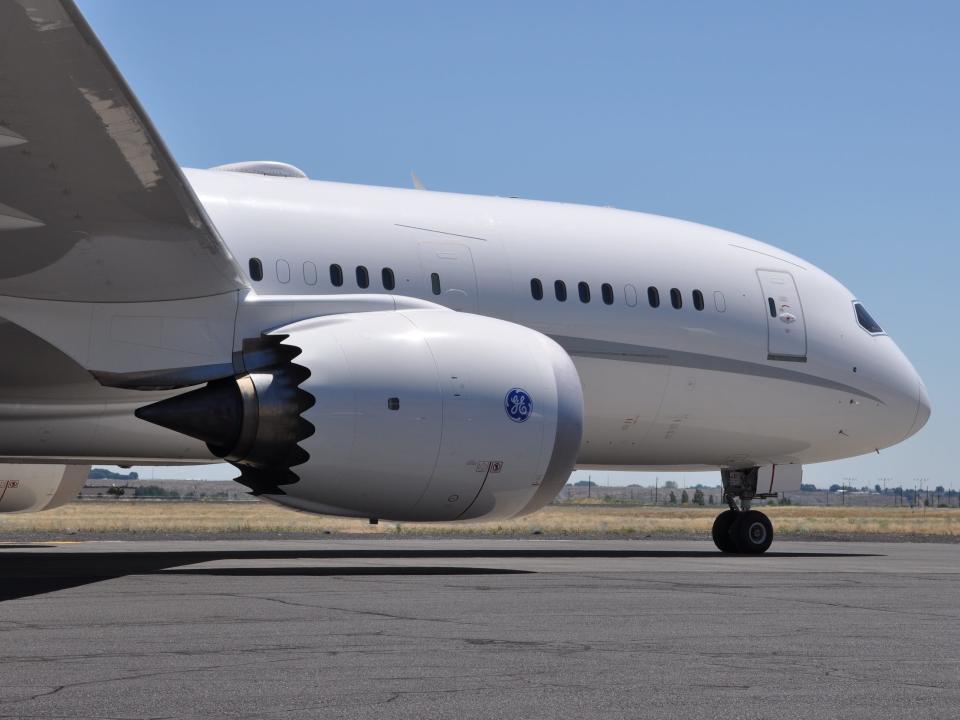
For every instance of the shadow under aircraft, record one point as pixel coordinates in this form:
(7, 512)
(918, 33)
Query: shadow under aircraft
(29, 572)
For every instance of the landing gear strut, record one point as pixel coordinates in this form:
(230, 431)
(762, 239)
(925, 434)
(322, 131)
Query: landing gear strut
(741, 529)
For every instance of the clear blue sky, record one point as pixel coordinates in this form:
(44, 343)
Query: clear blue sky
(829, 129)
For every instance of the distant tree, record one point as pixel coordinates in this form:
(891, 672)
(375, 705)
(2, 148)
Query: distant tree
(698, 497)
(684, 498)
(940, 490)
(104, 474)
(877, 489)
(712, 500)
(670, 484)
(808, 487)
(786, 501)
(115, 491)
(673, 498)
(582, 483)
(155, 491)
(835, 488)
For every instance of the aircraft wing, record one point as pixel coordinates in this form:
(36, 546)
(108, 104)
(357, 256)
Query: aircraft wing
(92, 206)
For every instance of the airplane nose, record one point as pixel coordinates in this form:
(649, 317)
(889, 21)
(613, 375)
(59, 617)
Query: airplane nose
(923, 410)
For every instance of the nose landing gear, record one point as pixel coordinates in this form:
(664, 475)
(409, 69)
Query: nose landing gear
(722, 526)
(741, 529)
(752, 532)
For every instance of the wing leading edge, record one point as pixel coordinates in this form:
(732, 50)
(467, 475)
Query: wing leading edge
(92, 206)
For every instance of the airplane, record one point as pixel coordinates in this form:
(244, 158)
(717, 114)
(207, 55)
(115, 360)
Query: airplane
(391, 353)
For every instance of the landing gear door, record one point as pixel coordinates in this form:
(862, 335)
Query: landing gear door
(773, 479)
(451, 277)
(786, 329)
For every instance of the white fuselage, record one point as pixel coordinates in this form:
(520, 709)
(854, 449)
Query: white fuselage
(774, 369)
(737, 383)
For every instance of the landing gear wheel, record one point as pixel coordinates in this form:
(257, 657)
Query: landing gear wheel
(722, 527)
(752, 532)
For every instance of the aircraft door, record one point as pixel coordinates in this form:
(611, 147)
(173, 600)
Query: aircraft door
(451, 277)
(786, 329)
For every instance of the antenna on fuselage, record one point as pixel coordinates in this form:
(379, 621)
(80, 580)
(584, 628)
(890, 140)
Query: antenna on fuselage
(417, 182)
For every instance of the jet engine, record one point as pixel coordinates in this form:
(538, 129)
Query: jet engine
(415, 415)
(30, 488)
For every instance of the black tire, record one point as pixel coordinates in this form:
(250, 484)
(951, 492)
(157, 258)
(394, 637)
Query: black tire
(752, 532)
(722, 526)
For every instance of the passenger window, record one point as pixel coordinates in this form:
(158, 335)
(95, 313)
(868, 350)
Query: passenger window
(363, 277)
(653, 296)
(866, 321)
(256, 269)
(536, 289)
(630, 295)
(560, 289)
(676, 298)
(389, 282)
(336, 275)
(309, 273)
(773, 307)
(719, 301)
(283, 271)
(584, 290)
(698, 299)
(435, 283)
(606, 292)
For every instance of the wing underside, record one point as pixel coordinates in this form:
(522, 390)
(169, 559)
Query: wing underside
(92, 206)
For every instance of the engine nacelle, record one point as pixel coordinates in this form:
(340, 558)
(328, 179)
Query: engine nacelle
(30, 488)
(418, 415)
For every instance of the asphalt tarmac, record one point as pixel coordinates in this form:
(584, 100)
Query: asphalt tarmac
(478, 629)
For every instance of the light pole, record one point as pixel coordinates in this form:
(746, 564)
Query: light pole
(847, 483)
(884, 493)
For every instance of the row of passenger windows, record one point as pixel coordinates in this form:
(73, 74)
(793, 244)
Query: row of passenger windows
(387, 277)
(606, 294)
(389, 282)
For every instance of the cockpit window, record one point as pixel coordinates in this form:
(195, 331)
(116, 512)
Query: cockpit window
(867, 322)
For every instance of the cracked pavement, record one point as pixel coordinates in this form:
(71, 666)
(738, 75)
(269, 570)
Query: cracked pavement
(477, 629)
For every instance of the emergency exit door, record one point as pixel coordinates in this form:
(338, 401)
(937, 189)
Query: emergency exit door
(786, 329)
(451, 277)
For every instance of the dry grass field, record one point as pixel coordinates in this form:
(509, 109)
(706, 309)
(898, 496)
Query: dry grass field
(146, 517)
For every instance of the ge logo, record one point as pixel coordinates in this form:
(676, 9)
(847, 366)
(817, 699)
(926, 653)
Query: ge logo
(518, 404)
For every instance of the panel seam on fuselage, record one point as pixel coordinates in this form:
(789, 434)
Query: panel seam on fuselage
(602, 349)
